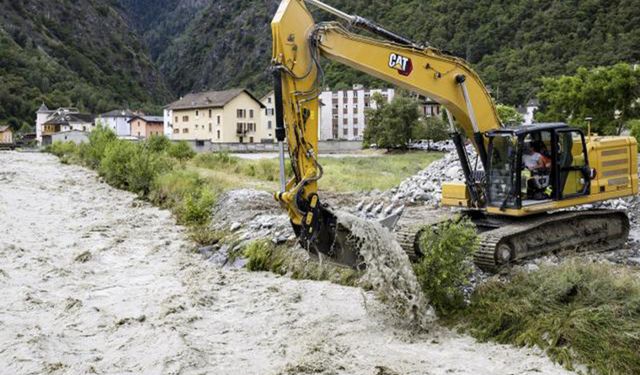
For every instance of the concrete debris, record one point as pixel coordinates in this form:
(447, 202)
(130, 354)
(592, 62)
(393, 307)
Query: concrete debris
(426, 186)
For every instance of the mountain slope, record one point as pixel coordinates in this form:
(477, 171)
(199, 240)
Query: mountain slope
(79, 53)
(227, 45)
(511, 43)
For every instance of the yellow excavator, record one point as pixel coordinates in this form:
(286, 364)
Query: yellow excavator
(524, 193)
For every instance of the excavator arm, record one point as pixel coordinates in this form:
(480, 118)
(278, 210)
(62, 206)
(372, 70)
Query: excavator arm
(298, 45)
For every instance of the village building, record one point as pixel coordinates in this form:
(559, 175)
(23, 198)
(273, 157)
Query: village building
(75, 136)
(269, 119)
(49, 122)
(429, 107)
(528, 111)
(147, 126)
(64, 120)
(231, 116)
(118, 121)
(42, 115)
(6, 134)
(342, 112)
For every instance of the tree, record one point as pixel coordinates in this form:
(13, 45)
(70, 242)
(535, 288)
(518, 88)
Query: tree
(391, 125)
(181, 151)
(509, 115)
(609, 95)
(432, 129)
(634, 126)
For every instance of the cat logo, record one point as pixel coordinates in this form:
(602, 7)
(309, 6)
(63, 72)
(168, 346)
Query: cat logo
(400, 63)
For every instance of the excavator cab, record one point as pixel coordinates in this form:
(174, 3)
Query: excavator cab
(531, 166)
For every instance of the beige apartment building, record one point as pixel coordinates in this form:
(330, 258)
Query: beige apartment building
(231, 116)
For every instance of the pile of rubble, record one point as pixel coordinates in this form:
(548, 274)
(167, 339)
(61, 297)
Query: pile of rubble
(248, 215)
(426, 186)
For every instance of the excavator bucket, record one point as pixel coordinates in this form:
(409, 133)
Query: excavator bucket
(335, 241)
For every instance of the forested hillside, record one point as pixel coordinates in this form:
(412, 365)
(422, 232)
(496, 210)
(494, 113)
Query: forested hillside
(100, 54)
(71, 53)
(511, 43)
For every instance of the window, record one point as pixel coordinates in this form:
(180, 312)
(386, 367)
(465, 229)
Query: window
(185, 130)
(250, 139)
(345, 121)
(218, 134)
(251, 115)
(210, 113)
(345, 132)
(239, 128)
(269, 124)
(355, 132)
(269, 100)
(185, 118)
(176, 131)
(218, 119)
(196, 126)
(210, 127)
(355, 120)
(199, 143)
(241, 113)
(176, 120)
(197, 114)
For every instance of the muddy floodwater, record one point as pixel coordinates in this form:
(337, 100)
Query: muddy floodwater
(93, 280)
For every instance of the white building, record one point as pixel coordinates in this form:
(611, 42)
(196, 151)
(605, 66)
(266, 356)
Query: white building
(269, 118)
(42, 115)
(118, 121)
(528, 111)
(75, 136)
(49, 122)
(342, 112)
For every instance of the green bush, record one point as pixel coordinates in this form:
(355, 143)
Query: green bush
(578, 312)
(61, 149)
(170, 189)
(132, 166)
(196, 207)
(114, 165)
(181, 151)
(259, 255)
(99, 139)
(447, 263)
(143, 167)
(158, 143)
(220, 160)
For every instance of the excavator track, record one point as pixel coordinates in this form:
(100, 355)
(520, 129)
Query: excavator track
(506, 241)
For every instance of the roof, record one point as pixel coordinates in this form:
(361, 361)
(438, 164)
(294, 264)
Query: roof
(268, 94)
(4, 128)
(533, 103)
(149, 118)
(43, 109)
(531, 128)
(118, 113)
(59, 119)
(210, 99)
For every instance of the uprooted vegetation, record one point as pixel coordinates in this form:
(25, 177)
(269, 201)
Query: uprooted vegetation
(578, 312)
(263, 255)
(447, 263)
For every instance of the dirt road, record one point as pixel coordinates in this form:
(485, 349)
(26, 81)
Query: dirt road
(94, 281)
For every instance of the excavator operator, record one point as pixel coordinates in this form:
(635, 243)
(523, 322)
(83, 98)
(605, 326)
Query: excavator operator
(537, 171)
